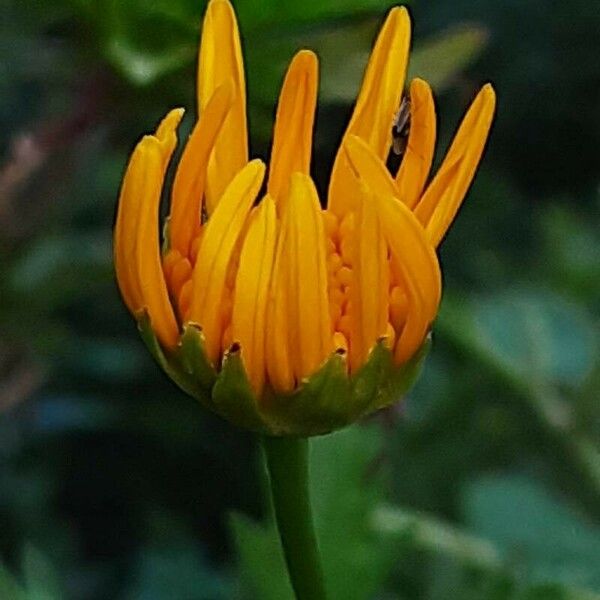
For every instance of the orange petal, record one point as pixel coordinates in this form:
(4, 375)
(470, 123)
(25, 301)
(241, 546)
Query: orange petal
(370, 287)
(151, 280)
(125, 233)
(418, 265)
(440, 203)
(409, 247)
(277, 350)
(252, 286)
(417, 323)
(376, 104)
(137, 254)
(309, 327)
(292, 138)
(220, 60)
(190, 178)
(219, 238)
(368, 167)
(416, 163)
(408, 242)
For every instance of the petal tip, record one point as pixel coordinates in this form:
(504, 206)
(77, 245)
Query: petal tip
(258, 166)
(174, 117)
(399, 12)
(219, 5)
(489, 93)
(400, 17)
(307, 58)
(419, 86)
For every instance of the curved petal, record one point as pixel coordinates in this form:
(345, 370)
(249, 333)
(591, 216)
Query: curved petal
(151, 279)
(277, 351)
(405, 235)
(376, 104)
(417, 322)
(292, 138)
(221, 60)
(368, 167)
(137, 247)
(410, 247)
(416, 163)
(442, 199)
(219, 238)
(310, 325)
(252, 284)
(369, 290)
(190, 178)
(125, 232)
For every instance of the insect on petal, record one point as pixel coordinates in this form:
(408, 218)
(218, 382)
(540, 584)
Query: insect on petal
(376, 104)
(416, 163)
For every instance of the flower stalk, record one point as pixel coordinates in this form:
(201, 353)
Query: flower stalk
(287, 464)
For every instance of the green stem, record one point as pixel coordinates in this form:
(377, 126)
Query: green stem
(287, 464)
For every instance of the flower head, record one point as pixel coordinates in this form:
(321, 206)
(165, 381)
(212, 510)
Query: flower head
(278, 314)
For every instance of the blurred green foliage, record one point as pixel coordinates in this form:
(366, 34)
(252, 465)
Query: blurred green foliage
(484, 483)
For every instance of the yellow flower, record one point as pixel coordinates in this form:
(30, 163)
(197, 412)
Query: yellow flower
(278, 314)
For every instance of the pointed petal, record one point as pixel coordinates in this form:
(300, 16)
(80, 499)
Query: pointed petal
(166, 133)
(418, 264)
(440, 203)
(309, 322)
(137, 253)
(417, 323)
(381, 90)
(370, 287)
(416, 163)
(151, 280)
(277, 348)
(408, 242)
(125, 233)
(221, 60)
(252, 290)
(190, 178)
(292, 138)
(220, 236)
(368, 167)
(376, 104)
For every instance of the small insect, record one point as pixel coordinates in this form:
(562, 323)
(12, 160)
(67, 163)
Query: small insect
(401, 127)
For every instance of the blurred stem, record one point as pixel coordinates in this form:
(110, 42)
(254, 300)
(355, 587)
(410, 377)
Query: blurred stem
(287, 464)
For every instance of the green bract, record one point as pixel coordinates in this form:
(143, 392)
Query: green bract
(328, 400)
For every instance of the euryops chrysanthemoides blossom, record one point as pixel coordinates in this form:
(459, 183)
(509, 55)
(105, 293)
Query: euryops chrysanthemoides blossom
(278, 314)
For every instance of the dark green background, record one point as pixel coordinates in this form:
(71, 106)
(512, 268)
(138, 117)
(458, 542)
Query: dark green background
(484, 484)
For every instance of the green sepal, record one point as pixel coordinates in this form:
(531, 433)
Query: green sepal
(193, 357)
(173, 370)
(330, 400)
(320, 404)
(324, 402)
(233, 396)
(380, 382)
